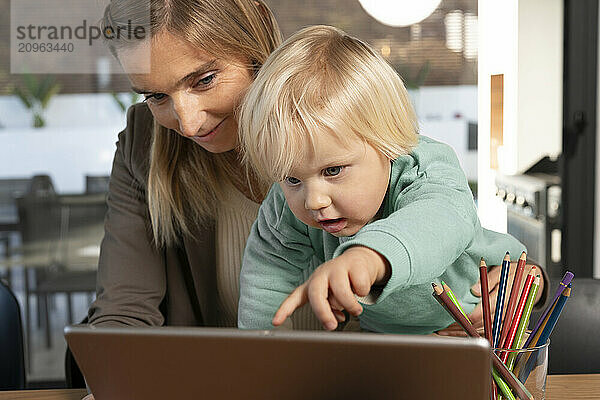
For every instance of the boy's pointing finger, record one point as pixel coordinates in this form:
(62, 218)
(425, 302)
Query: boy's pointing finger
(296, 299)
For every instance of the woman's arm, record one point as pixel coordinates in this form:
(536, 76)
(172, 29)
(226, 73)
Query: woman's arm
(131, 280)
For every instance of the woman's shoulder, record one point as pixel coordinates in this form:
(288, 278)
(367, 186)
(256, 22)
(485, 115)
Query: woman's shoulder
(135, 141)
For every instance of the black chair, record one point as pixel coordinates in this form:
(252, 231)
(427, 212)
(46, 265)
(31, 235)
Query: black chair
(575, 342)
(96, 184)
(10, 189)
(46, 225)
(12, 360)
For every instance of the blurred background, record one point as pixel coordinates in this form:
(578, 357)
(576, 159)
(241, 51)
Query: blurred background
(511, 86)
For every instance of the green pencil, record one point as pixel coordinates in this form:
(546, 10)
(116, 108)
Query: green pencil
(523, 322)
(502, 386)
(454, 299)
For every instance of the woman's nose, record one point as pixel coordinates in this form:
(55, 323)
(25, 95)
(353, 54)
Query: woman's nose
(316, 198)
(189, 113)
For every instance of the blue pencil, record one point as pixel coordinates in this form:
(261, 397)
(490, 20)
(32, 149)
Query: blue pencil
(566, 280)
(552, 320)
(500, 299)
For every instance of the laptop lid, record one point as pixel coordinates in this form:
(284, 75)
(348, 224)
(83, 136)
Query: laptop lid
(218, 363)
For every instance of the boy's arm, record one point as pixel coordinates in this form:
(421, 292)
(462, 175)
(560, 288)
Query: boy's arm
(276, 260)
(433, 220)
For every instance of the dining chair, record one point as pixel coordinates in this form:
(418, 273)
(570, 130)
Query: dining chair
(47, 228)
(96, 183)
(575, 343)
(10, 189)
(12, 356)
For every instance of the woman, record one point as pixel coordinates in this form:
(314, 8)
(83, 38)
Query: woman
(180, 203)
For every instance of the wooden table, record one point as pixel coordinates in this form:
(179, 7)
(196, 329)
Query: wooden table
(57, 394)
(558, 387)
(576, 387)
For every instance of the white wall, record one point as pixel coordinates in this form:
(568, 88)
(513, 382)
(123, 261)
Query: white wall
(79, 139)
(444, 114)
(540, 94)
(521, 39)
(63, 110)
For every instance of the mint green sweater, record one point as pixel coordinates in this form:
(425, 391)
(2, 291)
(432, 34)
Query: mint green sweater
(428, 231)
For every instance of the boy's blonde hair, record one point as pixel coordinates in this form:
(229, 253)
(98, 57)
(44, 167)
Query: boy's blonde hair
(323, 80)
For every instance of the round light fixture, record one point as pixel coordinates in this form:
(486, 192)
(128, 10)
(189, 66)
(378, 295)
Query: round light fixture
(399, 12)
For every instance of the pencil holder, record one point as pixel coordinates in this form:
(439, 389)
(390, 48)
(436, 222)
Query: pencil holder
(529, 365)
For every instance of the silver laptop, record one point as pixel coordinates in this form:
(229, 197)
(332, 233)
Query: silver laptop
(227, 364)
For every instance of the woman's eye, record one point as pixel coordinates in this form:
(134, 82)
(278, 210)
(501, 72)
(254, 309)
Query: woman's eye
(292, 181)
(155, 97)
(333, 171)
(207, 80)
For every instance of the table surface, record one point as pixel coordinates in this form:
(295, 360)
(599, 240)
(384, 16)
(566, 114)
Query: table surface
(558, 387)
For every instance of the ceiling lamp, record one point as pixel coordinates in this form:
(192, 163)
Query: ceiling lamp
(399, 12)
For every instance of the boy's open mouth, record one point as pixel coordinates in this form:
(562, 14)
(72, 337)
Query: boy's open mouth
(333, 225)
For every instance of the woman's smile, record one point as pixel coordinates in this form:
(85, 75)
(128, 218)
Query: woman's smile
(207, 137)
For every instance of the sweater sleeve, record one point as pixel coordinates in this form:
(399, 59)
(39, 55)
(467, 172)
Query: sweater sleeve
(431, 218)
(131, 280)
(278, 253)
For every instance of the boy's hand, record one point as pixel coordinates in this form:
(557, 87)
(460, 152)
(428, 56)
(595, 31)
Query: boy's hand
(331, 287)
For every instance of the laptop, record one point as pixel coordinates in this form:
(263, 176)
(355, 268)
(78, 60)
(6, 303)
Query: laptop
(226, 364)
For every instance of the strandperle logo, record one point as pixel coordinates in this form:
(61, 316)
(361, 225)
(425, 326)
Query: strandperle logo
(84, 31)
(66, 36)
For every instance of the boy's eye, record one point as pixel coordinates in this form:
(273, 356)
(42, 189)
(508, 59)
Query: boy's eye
(155, 97)
(333, 171)
(290, 180)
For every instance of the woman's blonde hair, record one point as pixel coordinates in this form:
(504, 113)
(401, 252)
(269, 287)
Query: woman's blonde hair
(323, 80)
(185, 180)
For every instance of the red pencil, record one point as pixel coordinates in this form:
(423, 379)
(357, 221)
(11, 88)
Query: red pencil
(518, 314)
(512, 302)
(485, 299)
(487, 314)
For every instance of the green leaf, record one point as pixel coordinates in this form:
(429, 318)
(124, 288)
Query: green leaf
(24, 98)
(38, 121)
(49, 93)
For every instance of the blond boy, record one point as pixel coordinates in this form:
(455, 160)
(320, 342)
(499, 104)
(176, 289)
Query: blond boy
(363, 204)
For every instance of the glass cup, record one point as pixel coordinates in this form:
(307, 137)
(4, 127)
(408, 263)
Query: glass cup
(529, 365)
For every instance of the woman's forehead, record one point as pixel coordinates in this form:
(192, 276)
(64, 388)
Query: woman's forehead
(162, 62)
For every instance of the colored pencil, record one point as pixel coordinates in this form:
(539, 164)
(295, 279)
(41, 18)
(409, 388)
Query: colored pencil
(512, 301)
(567, 278)
(504, 388)
(518, 315)
(547, 330)
(438, 299)
(500, 299)
(523, 322)
(533, 342)
(487, 318)
(454, 299)
(500, 368)
(485, 300)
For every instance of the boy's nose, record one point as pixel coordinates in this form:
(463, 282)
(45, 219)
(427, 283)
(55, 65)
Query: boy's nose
(316, 200)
